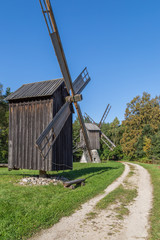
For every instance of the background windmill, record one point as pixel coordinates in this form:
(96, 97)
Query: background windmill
(55, 129)
(95, 134)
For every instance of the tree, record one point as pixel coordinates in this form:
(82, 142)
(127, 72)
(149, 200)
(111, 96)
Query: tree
(147, 146)
(155, 148)
(76, 139)
(114, 132)
(4, 125)
(117, 153)
(140, 113)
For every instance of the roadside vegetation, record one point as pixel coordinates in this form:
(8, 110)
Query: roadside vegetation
(26, 209)
(121, 197)
(154, 171)
(116, 201)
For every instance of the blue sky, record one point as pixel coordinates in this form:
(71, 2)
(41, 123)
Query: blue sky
(118, 40)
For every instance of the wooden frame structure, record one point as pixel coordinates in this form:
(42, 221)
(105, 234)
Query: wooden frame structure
(32, 107)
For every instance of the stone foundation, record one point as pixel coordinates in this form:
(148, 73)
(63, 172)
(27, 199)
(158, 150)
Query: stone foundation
(95, 157)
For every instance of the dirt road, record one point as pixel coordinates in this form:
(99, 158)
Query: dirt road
(105, 224)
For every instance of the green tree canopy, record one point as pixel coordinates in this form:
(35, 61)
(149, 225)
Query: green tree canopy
(4, 124)
(142, 113)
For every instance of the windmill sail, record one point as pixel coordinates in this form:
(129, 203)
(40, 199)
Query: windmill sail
(108, 108)
(81, 81)
(107, 144)
(60, 60)
(56, 41)
(84, 131)
(48, 137)
(112, 144)
(100, 123)
(91, 119)
(106, 114)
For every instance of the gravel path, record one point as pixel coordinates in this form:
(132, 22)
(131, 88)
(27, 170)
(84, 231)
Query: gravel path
(106, 225)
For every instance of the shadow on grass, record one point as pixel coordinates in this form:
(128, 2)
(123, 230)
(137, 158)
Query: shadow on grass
(91, 171)
(71, 175)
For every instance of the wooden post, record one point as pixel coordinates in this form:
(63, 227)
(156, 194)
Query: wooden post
(42, 174)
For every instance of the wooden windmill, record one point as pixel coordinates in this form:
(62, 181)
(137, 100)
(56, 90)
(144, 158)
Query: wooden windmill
(55, 123)
(95, 134)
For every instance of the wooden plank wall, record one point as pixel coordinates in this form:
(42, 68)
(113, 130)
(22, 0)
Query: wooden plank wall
(94, 137)
(27, 120)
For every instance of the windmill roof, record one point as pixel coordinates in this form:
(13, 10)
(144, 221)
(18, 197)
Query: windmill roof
(92, 127)
(36, 89)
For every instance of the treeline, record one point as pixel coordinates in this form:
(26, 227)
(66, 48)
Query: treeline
(137, 137)
(4, 125)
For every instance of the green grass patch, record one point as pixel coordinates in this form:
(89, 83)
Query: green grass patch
(154, 171)
(130, 174)
(120, 196)
(132, 171)
(25, 210)
(91, 215)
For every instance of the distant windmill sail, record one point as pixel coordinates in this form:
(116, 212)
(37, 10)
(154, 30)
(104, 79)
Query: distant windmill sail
(103, 115)
(108, 108)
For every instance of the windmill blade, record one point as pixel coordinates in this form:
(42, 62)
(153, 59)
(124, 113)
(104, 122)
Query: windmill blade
(76, 138)
(108, 108)
(79, 144)
(50, 134)
(81, 81)
(61, 60)
(107, 144)
(106, 114)
(75, 149)
(100, 123)
(91, 119)
(103, 135)
(83, 130)
(56, 41)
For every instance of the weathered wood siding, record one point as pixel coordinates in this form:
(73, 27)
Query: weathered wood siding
(28, 118)
(94, 137)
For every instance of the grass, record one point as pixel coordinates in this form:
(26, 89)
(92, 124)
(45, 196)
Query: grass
(26, 210)
(91, 215)
(130, 174)
(121, 197)
(132, 171)
(154, 171)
